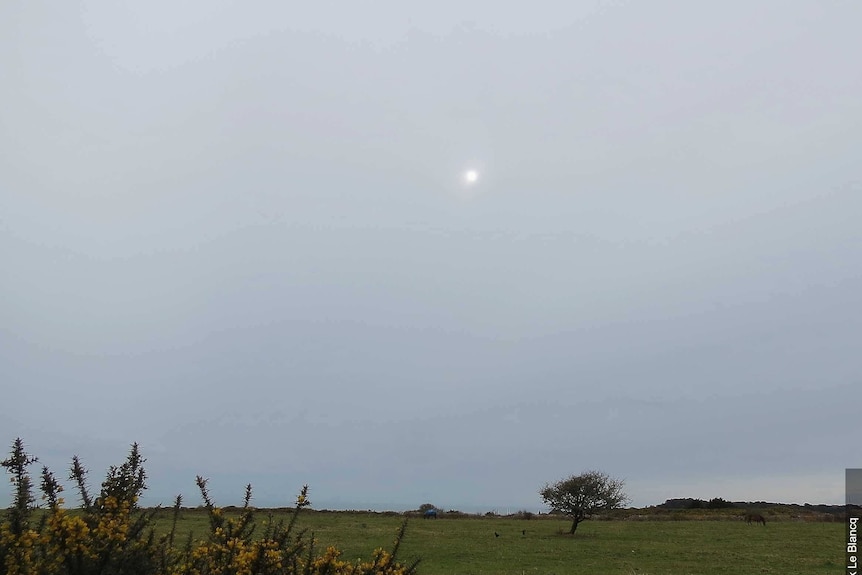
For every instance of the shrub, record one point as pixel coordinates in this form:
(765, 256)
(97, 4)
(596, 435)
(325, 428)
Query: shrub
(112, 535)
(719, 503)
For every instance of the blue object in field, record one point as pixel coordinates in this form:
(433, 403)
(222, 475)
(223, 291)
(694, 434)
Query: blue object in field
(430, 513)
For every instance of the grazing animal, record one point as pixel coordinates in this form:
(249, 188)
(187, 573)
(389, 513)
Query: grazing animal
(755, 518)
(496, 534)
(430, 514)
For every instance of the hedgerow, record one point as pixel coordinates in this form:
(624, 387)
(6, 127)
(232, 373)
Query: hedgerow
(112, 535)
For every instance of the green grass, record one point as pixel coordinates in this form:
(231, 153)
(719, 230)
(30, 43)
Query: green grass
(468, 545)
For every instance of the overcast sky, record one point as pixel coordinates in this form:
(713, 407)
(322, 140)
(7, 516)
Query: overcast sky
(239, 234)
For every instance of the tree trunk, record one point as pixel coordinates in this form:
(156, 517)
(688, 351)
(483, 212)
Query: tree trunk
(574, 526)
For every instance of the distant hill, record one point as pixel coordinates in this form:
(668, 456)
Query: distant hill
(718, 503)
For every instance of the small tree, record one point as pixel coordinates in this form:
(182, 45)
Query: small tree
(719, 503)
(579, 496)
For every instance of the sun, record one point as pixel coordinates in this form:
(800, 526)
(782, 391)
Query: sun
(471, 176)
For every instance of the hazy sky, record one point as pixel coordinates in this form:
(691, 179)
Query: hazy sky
(238, 234)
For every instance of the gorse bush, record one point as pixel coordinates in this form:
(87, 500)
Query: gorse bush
(112, 535)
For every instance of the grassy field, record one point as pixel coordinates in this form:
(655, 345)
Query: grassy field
(469, 546)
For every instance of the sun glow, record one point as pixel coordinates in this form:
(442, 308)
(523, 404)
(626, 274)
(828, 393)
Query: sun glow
(471, 182)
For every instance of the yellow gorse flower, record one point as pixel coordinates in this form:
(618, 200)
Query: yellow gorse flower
(109, 535)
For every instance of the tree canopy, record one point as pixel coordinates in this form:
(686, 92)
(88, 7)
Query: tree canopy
(580, 496)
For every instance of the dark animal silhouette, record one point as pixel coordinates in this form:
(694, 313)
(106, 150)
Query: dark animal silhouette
(430, 514)
(755, 518)
(523, 531)
(496, 534)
